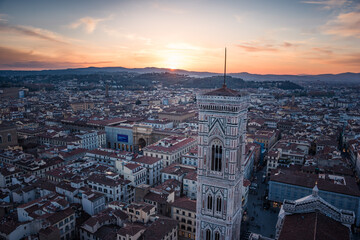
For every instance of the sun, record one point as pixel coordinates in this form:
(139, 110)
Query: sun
(173, 62)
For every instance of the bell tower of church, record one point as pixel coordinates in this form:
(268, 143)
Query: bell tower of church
(222, 137)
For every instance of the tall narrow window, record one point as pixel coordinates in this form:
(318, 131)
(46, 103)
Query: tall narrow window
(9, 137)
(0, 139)
(213, 158)
(218, 204)
(219, 159)
(217, 236)
(208, 234)
(216, 156)
(209, 202)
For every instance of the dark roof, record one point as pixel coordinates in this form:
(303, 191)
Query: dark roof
(160, 228)
(223, 91)
(312, 226)
(58, 216)
(108, 232)
(185, 203)
(308, 180)
(130, 229)
(147, 160)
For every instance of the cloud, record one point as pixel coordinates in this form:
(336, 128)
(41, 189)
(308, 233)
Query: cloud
(338, 59)
(287, 44)
(3, 17)
(255, 47)
(322, 50)
(115, 33)
(16, 59)
(87, 23)
(31, 32)
(348, 60)
(345, 25)
(328, 4)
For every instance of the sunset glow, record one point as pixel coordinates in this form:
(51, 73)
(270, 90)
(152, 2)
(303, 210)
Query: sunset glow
(266, 37)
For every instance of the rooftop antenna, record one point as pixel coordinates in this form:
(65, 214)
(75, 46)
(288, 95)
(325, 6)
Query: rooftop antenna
(224, 85)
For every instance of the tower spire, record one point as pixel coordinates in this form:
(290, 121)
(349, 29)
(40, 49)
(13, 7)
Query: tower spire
(224, 85)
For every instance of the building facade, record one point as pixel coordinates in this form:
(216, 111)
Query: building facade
(221, 150)
(340, 192)
(8, 136)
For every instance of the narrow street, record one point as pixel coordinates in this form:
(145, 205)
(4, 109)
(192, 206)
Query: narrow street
(258, 219)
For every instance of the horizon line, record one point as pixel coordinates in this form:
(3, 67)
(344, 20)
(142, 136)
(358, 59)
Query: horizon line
(170, 70)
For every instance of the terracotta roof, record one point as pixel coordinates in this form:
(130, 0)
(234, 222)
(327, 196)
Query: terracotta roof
(173, 144)
(293, 177)
(58, 216)
(132, 166)
(185, 203)
(146, 160)
(223, 91)
(312, 226)
(108, 232)
(130, 229)
(160, 228)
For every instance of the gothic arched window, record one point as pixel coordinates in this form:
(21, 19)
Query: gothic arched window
(217, 236)
(209, 202)
(208, 234)
(9, 137)
(216, 156)
(218, 204)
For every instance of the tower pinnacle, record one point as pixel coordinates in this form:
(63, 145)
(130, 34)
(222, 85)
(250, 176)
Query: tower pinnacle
(224, 85)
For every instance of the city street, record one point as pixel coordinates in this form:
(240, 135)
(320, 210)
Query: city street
(258, 219)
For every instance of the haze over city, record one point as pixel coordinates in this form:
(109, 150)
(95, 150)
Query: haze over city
(264, 37)
(180, 120)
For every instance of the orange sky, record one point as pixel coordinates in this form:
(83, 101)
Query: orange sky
(266, 37)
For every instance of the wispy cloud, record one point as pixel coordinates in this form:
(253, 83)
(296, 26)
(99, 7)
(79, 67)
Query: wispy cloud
(328, 4)
(130, 36)
(323, 50)
(31, 32)
(15, 59)
(89, 24)
(345, 24)
(337, 59)
(3, 17)
(257, 48)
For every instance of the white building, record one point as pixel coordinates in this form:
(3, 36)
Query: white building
(153, 167)
(114, 188)
(170, 149)
(93, 202)
(91, 139)
(52, 210)
(191, 157)
(190, 185)
(160, 124)
(135, 173)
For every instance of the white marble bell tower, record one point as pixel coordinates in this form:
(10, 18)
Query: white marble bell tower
(222, 138)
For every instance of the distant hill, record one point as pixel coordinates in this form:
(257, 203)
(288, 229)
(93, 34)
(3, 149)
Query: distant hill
(334, 78)
(340, 78)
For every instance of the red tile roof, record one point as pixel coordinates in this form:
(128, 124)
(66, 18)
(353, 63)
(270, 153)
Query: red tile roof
(312, 226)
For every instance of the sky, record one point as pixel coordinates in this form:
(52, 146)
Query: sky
(261, 36)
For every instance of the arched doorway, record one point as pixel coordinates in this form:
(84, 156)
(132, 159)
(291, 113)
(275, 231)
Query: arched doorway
(142, 144)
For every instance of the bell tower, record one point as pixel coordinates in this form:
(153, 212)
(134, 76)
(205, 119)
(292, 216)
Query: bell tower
(221, 148)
